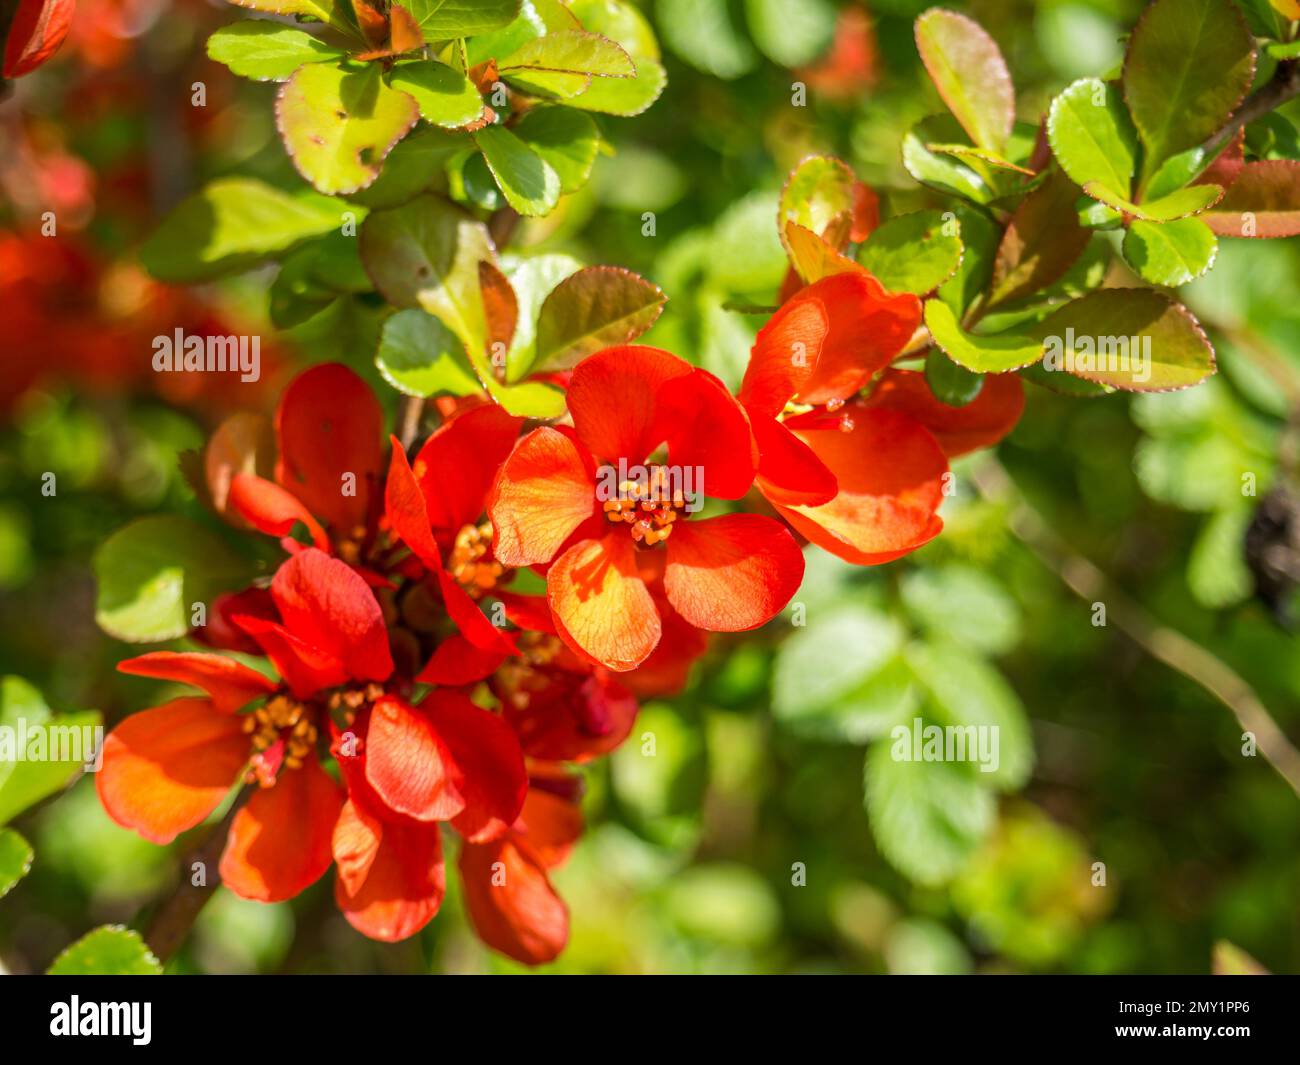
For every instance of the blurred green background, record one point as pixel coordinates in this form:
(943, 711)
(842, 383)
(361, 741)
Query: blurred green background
(768, 832)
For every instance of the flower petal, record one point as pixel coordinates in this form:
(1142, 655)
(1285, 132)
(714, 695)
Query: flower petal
(548, 826)
(890, 472)
(490, 766)
(784, 355)
(981, 423)
(788, 469)
(279, 843)
(329, 424)
(613, 399)
(456, 661)
(409, 764)
(459, 462)
(231, 684)
(546, 489)
(403, 882)
(573, 717)
(271, 509)
(305, 668)
(167, 768)
(404, 507)
(243, 443)
(326, 603)
(511, 903)
(600, 604)
(355, 844)
(707, 429)
(733, 572)
(667, 670)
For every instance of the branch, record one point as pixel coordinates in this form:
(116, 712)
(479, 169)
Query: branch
(1283, 86)
(1164, 644)
(172, 923)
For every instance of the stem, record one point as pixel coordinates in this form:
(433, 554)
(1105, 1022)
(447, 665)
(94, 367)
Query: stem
(1283, 86)
(1164, 644)
(172, 923)
(409, 411)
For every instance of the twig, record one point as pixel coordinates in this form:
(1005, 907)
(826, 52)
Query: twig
(409, 411)
(1283, 86)
(1164, 644)
(172, 923)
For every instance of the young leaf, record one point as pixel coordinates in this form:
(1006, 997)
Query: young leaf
(420, 356)
(967, 68)
(530, 185)
(818, 195)
(15, 859)
(442, 20)
(1181, 204)
(1189, 64)
(928, 818)
(108, 951)
(563, 63)
(267, 51)
(152, 572)
(564, 139)
(1042, 241)
(426, 254)
(598, 307)
(938, 170)
(1170, 254)
(445, 96)
(233, 224)
(1091, 336)
(1264, 201)
(1092, 136)
(914, 252)
(338, 124)
(982, 354)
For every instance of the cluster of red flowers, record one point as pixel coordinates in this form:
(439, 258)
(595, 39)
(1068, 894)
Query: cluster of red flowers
(435, 711)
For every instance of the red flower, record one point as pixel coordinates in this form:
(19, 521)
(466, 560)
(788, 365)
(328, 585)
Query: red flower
(329, 432)
(959, 430)
(725, 573)
(865, 483)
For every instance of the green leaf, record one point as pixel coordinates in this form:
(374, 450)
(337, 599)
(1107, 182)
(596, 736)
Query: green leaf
(913, 252)
(964, 690)
(1175, 172)
(1092, 136)
(233, 224)
(1264, 201)
(1041, 242)
(1135, 339)
(833, 679)
(564, 139)
(980, 237)
(331, 12)
(420, 356)
(818, 195)
(445, 96)
(982, 354)
(1230, 960)
(938, 170)
(267, 51)
(339, 123)
(703, 33)
(415, 165)
(153, 571)
(564, 63)
(531, 399)
(15, 859)
(529, 183)
(950, 384)
(533, 279)
(791, 33)
(964, 604)
(1189, 64)
(426, 254)
(624, 96)
(967, 68)
(928, 818)
(48, 749)
(1171, 254)
(441, 20)
(112, 950)
(598, 307)
(1181, 204)
(1217, 574)
(623, 23)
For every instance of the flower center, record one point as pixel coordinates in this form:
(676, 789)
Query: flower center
(471, 561)
(282, 734)
(649, 506)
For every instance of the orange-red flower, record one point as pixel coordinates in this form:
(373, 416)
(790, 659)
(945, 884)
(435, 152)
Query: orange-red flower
(562, 500)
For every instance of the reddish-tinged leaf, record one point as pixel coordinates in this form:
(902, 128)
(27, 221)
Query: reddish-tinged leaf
(1041, 242)
(598, 307)
(967, 68)
(821, 194)
(500, 312)
(1264, 201)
